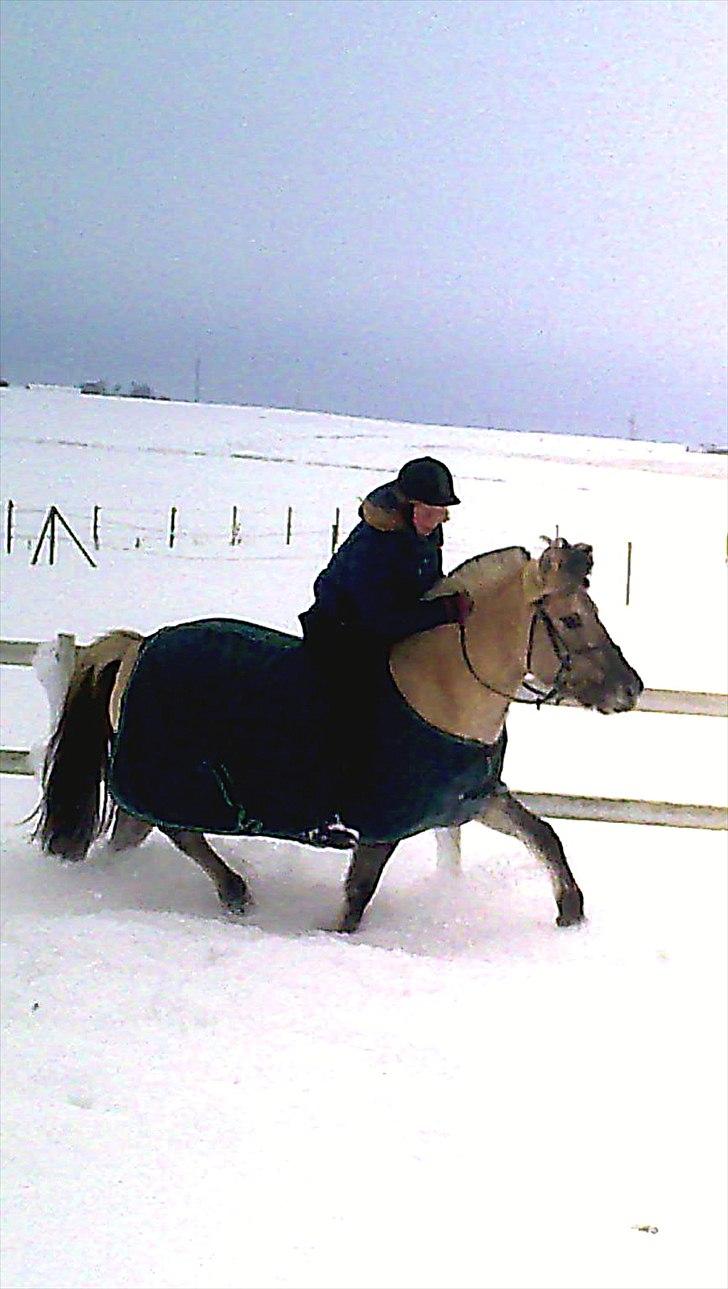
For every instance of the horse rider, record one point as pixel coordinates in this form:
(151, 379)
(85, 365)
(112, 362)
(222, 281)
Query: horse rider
(370, 595)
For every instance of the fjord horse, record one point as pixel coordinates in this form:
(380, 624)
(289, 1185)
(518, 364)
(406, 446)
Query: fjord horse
(533, 635)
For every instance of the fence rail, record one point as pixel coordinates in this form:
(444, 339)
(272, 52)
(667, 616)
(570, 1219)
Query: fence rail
(676, 702)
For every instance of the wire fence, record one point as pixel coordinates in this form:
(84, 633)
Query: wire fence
(33, 534)
(37, 533)
(36, 530)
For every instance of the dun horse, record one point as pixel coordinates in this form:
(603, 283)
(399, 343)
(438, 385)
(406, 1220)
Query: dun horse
(187, 730)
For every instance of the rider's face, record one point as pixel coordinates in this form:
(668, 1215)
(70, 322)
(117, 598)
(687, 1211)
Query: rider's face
(426, 518)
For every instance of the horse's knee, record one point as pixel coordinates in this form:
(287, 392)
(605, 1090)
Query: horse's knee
(545, 837)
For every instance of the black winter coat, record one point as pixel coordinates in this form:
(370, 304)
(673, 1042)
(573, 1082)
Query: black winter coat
(372, 588)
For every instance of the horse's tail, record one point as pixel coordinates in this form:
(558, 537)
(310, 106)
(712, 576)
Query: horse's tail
(75, 807)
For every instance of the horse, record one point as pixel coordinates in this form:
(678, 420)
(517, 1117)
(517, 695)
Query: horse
(433, 761)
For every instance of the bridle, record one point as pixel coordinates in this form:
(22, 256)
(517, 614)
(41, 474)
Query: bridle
(563, 654)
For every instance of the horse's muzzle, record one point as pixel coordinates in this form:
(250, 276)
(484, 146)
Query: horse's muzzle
(622, 697)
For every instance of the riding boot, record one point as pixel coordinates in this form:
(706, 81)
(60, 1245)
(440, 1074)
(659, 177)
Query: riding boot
(333, 834)
(335, 656)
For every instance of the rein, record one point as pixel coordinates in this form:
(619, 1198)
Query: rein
(560, 649)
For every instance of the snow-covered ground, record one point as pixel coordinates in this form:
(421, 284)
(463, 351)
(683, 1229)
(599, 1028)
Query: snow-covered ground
(460, 1094)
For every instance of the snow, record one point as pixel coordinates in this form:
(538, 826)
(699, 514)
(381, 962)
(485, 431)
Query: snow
(460, 1094)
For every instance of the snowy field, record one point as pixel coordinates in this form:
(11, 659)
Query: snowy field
(460, 1094)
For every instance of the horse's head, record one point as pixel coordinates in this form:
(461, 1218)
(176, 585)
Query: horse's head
(570, 647)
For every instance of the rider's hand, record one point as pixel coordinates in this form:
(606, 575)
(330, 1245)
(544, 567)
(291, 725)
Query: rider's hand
(458, 606)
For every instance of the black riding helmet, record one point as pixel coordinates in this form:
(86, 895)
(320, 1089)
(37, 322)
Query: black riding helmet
(427, 480)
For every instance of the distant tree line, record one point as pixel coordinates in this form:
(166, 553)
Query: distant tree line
(137, 389)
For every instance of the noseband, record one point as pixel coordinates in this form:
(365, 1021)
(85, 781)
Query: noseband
(563, 654)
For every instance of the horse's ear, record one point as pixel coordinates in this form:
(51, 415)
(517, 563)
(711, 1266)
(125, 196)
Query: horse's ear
(581, 561)
(564, 567)
(550, 565)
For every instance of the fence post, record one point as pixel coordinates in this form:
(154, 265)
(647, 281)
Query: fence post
(172, 526)
(52, 538)
(629, 572)
(95, 529)
(66, 652)
(289, 525)
(9, 528)
(335, 531)
(235, 529)
(57, 516)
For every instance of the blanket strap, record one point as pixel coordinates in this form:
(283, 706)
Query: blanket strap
(242, 822)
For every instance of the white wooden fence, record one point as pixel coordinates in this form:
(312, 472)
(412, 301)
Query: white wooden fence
(20, 653)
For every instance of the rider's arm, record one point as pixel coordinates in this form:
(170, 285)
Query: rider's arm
(384, 597)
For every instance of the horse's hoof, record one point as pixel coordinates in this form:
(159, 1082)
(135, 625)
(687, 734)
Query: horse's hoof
(237, 908)
(237, 902)
(572, 909)
(349, 922)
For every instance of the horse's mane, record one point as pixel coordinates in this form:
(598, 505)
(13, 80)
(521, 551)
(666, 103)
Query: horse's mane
(482, 572)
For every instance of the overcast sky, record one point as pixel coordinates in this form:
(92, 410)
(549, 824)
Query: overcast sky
(507, 212)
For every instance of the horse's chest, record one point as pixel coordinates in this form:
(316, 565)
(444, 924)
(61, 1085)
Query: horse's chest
(418, 777)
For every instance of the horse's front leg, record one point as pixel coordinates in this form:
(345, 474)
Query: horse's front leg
(231, 888)
(507, 815)
(362, 878)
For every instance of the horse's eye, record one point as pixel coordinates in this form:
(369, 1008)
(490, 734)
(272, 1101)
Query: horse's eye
(571, 621)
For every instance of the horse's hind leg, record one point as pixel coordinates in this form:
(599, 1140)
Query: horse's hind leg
(362, 878)
(128, 831)
(231, 888)
(448, 850)
(507, 815)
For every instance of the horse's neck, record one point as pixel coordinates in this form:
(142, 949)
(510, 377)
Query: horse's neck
(431, 672)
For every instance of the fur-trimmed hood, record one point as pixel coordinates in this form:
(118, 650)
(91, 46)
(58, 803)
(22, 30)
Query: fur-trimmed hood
(387, 510)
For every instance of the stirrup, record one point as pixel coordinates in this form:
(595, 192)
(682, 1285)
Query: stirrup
(334, 834)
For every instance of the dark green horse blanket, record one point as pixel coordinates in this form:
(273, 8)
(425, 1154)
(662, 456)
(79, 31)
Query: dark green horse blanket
(221, 731)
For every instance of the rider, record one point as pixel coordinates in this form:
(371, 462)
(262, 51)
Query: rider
(370, 594)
